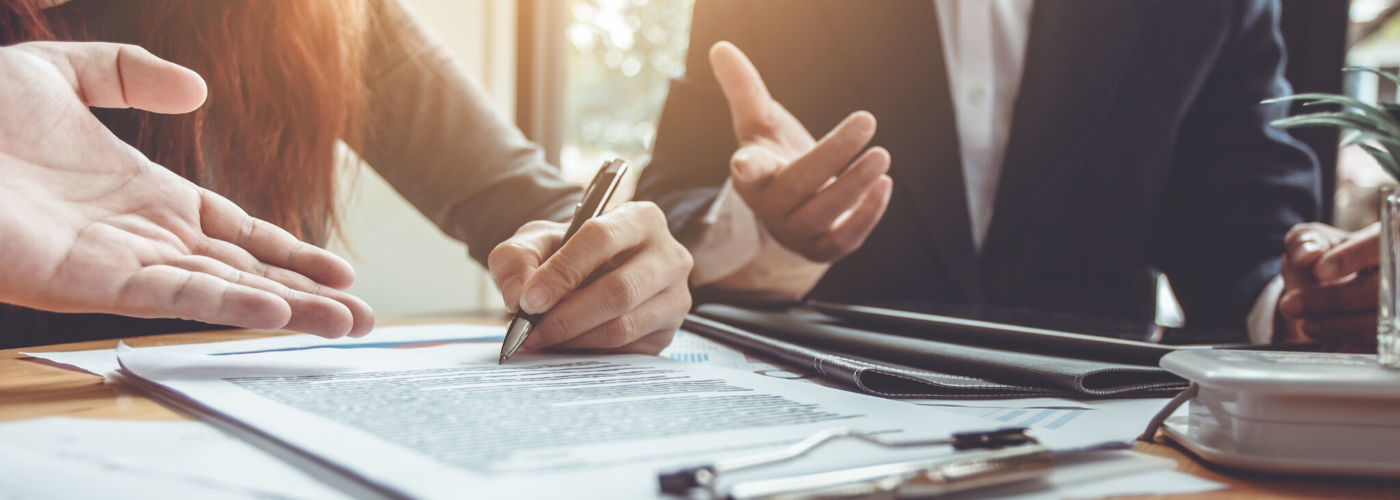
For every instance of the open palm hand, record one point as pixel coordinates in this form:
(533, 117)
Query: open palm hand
(88, 224)
(819, 198)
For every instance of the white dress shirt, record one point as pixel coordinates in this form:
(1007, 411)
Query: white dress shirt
(984, 50)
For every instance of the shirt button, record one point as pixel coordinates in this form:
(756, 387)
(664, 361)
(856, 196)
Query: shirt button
(977, 96)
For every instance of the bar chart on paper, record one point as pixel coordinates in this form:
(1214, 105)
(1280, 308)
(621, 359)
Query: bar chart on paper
(1035, 418)
(692, 348)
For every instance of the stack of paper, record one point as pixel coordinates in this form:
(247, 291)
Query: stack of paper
(445, 421)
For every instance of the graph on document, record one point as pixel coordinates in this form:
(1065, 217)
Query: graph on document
(1038, 418)
(1047, 418)
(689, 357)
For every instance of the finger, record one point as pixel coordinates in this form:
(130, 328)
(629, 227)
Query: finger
(110, 75)
(232, 255)
(1306, 242)
(801, 179)
(818, 214)
(851, 231)
(750, 103)
(1344, 329)
(1358, 292)
(223, 220)
(1361, 250)
(613, 295)
(170, 292)
(516, 259)
(651, 344)
(662, 312)
(597, 241)
(311, 313)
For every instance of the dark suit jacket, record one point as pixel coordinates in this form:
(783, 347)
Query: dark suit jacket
(1138, 142)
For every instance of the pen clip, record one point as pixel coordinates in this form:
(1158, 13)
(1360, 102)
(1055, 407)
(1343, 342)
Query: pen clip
(595, 198)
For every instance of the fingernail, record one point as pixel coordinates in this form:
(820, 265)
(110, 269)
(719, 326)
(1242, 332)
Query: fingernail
(740, 169)
(535, 300)
(1308, 247)
(510, 293)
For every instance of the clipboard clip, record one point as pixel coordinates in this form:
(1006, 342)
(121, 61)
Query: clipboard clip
(983, 459)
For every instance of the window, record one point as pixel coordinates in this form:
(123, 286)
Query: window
(607, 67)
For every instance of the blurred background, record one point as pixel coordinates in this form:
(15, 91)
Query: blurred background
(587, 79)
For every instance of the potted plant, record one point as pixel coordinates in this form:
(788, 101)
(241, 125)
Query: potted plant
(1375, 129)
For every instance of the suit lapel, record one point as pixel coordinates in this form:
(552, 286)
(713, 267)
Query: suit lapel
(896, 52)
(1076, 55)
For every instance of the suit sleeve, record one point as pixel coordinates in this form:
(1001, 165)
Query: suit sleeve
(1239, 184)
(695, 137)
(434, 135)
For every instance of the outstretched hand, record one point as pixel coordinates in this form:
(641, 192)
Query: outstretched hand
(89, 224)
(821, 198)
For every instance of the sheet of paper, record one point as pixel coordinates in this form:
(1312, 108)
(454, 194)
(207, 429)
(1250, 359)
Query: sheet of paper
(693, 348)
(101, 361)
(1118, 419)
(164, 451)
(437, 422)
(131, 459)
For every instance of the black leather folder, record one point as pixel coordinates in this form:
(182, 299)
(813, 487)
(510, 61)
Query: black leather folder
(898, 366)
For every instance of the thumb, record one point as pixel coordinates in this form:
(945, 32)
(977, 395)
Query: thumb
(110, 75)
(743, 88)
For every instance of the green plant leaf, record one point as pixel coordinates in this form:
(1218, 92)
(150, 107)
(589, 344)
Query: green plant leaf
(1366, 109)
(1384, 158)
(1393, 78)
(1391, 144)
(1342, 120)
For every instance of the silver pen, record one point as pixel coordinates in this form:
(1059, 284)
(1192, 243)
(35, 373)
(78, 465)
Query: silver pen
(595, 201)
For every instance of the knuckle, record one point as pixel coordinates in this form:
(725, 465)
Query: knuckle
(682, 257)
(790, 188)
(622, 293)
(246, 228)
(560, 327)
(805, 224)
(683, 307)
(564, 275)
(650, 211)
(620, 332)
(601, 233)
(536, 225)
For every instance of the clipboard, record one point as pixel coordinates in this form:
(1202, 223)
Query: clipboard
(1145, 351)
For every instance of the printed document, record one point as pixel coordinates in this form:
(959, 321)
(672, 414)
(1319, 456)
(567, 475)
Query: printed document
(448, 422)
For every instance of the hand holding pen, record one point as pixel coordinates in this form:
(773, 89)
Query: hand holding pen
(638, 294)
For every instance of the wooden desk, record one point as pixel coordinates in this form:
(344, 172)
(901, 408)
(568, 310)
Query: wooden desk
(30, 388)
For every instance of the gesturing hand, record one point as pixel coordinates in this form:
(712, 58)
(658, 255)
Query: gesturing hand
(1330, 286)
(809, 194)
(636, 303)
(88, 224)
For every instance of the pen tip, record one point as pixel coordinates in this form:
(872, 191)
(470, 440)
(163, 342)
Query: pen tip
(502, 361)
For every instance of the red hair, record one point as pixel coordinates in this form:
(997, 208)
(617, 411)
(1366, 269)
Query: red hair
(285, 84)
